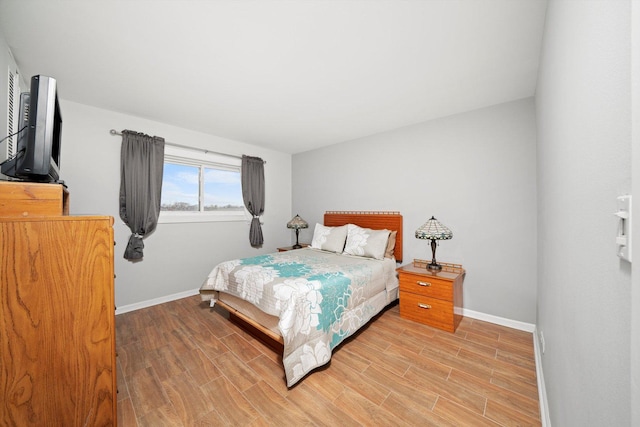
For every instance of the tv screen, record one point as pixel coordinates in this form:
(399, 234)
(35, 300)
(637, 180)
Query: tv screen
(37, 156)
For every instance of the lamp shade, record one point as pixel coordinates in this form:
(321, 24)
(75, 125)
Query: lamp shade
(297, 223)
(433, 230)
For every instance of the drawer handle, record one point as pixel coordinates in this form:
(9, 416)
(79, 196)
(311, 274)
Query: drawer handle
(423, 283)
(426, 306)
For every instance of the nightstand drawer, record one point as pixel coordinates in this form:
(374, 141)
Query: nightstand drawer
(429, 311)
(426, 286)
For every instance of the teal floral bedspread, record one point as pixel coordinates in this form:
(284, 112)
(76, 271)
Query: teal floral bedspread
(320, 298)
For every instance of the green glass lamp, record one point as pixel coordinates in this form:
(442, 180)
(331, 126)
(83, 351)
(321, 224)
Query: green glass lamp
(297, 223)
(433, 230)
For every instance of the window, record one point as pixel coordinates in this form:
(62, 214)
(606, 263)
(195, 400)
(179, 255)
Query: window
(13, 107)
(200, 187)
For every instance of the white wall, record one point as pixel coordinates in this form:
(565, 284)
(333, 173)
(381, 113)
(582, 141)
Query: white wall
(475, 172)
(635, 167)
(177, 257)
(584, 150)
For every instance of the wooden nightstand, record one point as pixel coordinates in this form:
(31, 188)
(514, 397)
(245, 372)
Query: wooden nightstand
(290, 248)
(432, 298)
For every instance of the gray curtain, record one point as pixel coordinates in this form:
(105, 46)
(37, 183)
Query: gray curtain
(253, 195)
(141, 166)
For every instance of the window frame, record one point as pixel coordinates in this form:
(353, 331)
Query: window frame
(202, 159)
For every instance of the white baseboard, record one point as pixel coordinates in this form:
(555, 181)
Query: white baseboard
(542, 390)
(527, 327)
(515, 324)
(156, 301)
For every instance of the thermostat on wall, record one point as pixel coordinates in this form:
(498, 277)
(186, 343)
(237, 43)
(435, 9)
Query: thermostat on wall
(623, 239)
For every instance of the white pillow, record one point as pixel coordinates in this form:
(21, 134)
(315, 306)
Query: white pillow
(329, 238)
(366, 242)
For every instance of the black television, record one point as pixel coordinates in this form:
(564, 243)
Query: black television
(37, 156)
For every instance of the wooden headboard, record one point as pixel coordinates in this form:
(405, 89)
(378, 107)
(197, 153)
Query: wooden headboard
(369, 219)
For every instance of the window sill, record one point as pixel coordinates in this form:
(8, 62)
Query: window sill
(187, 217)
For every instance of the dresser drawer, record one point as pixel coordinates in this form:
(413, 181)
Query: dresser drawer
(429, 311)
(426, 286)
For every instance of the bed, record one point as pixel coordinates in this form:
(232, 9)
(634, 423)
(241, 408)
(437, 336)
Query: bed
(312, 299)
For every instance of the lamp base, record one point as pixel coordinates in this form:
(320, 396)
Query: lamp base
(297, 245)
(434, 267)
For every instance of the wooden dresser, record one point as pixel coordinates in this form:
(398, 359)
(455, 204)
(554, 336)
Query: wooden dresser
(57, 321)
(432, 298)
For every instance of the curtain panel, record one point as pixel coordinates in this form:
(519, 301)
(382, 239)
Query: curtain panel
(253, 195)
(141, 167)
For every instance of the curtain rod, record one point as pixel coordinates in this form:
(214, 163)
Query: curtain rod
(115, 132)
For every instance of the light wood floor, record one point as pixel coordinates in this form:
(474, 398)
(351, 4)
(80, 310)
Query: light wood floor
(182, 364)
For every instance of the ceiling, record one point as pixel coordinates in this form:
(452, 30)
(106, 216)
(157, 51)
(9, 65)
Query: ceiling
(286, 75)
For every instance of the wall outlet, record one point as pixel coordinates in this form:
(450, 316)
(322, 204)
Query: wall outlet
(542, 344)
